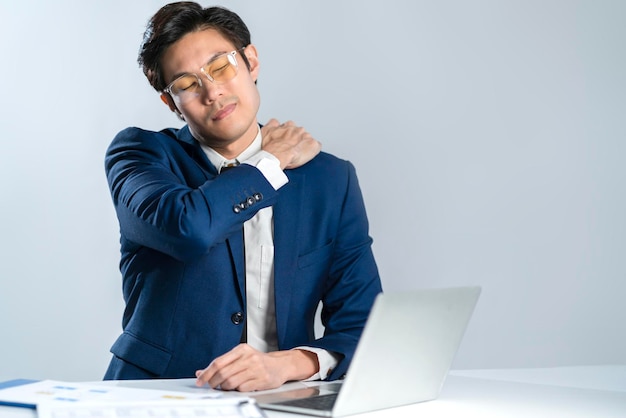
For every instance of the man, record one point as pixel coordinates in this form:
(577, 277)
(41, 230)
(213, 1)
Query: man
(223, 270)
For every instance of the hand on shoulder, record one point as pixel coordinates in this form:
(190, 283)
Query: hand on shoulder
(291, 144)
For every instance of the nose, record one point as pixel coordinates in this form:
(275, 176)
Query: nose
(210, 90)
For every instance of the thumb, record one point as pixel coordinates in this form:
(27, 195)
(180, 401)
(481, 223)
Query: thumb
(272, 123)
(269, 126)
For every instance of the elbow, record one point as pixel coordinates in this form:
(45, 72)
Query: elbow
(186, 249)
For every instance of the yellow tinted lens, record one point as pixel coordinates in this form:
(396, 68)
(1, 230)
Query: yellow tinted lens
(187, 83)
(222, 69)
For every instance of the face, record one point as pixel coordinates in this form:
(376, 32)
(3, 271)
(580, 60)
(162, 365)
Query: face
(222, 116)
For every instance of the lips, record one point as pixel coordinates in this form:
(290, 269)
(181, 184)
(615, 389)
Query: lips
(224, 112)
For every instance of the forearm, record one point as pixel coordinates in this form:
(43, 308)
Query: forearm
(184, 219)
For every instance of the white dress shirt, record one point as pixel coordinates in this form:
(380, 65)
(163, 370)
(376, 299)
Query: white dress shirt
(259, 258)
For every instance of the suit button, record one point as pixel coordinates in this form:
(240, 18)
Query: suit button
(237, 318)
(257, 197)
(236, 209)
(251, 201)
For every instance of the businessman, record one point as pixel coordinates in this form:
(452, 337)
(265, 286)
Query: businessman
(232, 233)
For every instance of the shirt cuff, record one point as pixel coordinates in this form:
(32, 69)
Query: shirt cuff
(269, 166)
(326, 359)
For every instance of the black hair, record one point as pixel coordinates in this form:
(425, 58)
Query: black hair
(175, 20)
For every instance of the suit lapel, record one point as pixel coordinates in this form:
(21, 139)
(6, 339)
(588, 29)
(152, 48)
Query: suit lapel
(286, 215)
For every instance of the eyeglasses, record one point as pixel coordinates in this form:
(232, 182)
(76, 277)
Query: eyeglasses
(219, 70)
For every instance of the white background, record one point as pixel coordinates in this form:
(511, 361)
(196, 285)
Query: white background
(489, 138)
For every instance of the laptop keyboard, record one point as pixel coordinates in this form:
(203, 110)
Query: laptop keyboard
(320, 403)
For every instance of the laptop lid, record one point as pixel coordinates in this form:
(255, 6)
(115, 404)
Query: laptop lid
(404, 354)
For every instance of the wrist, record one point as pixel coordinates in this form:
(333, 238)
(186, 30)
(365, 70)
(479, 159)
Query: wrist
(298, 364)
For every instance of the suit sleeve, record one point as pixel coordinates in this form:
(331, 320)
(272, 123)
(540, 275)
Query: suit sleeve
(165, 201)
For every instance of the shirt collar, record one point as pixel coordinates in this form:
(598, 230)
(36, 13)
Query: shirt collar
(218, 160)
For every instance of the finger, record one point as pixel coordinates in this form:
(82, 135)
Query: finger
(270, 126)
(272, 123)
(238, 380)
(203, 376)
(214, 375)
(224, 366)
(240, 374)
(207, 376)
(251, 384)
(228, 377)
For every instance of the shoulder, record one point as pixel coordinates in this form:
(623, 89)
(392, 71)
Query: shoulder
(326, 173)
(329, 165)
(139, 135)
(168, 146)
(168, 141)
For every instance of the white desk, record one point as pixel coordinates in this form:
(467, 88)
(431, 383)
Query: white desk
(594, 391)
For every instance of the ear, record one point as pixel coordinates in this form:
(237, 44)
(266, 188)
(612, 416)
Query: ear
(253, 60)
(165, 98)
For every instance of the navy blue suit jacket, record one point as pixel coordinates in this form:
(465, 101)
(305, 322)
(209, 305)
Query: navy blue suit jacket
(182, 254)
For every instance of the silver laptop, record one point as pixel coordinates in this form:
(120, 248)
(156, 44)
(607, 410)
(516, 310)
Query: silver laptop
(403, 356)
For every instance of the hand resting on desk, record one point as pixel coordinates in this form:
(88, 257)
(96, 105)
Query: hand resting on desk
(246, 369)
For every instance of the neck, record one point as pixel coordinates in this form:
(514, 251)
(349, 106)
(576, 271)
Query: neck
(230, 149)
